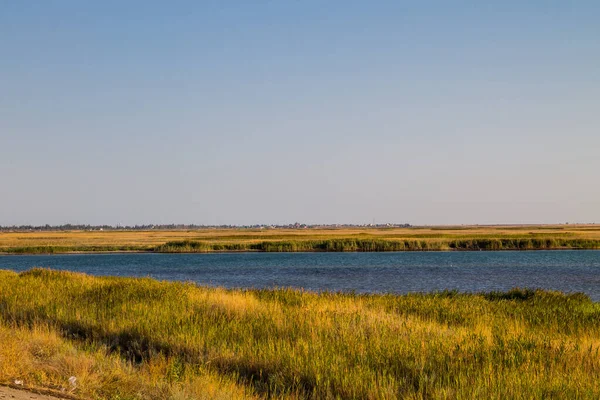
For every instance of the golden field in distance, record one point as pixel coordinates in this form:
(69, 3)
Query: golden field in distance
(312, 239)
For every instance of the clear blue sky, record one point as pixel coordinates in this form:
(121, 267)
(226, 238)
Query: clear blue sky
(240, 112)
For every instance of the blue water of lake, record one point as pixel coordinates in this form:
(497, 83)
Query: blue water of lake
(402, 272)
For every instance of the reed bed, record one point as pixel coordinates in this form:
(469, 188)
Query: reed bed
(126, 338)
(366, 245)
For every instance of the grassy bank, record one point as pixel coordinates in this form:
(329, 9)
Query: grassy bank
(341, 245)
(73, 249)
(140, 338)
(342, 239)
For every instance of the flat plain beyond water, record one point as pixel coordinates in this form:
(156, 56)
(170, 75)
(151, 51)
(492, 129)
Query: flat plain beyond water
(385, 272)
(429, 238)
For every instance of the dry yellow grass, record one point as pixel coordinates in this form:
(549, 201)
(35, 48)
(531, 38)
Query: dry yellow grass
(41, 358)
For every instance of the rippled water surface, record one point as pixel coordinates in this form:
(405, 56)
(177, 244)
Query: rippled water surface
(567, 271)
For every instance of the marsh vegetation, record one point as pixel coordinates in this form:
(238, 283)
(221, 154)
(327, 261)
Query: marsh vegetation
(340, 245)
(131, 338)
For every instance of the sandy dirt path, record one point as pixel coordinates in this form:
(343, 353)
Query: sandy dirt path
(7, 393)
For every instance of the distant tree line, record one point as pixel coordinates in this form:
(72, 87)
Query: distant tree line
(87, 227)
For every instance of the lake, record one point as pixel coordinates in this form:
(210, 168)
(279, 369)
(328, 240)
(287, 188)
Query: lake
(403, 272)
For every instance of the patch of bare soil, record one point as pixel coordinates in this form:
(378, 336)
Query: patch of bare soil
(7, 393)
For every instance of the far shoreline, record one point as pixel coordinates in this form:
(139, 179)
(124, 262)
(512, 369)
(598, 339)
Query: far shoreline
(291, 240)
(100, 252)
